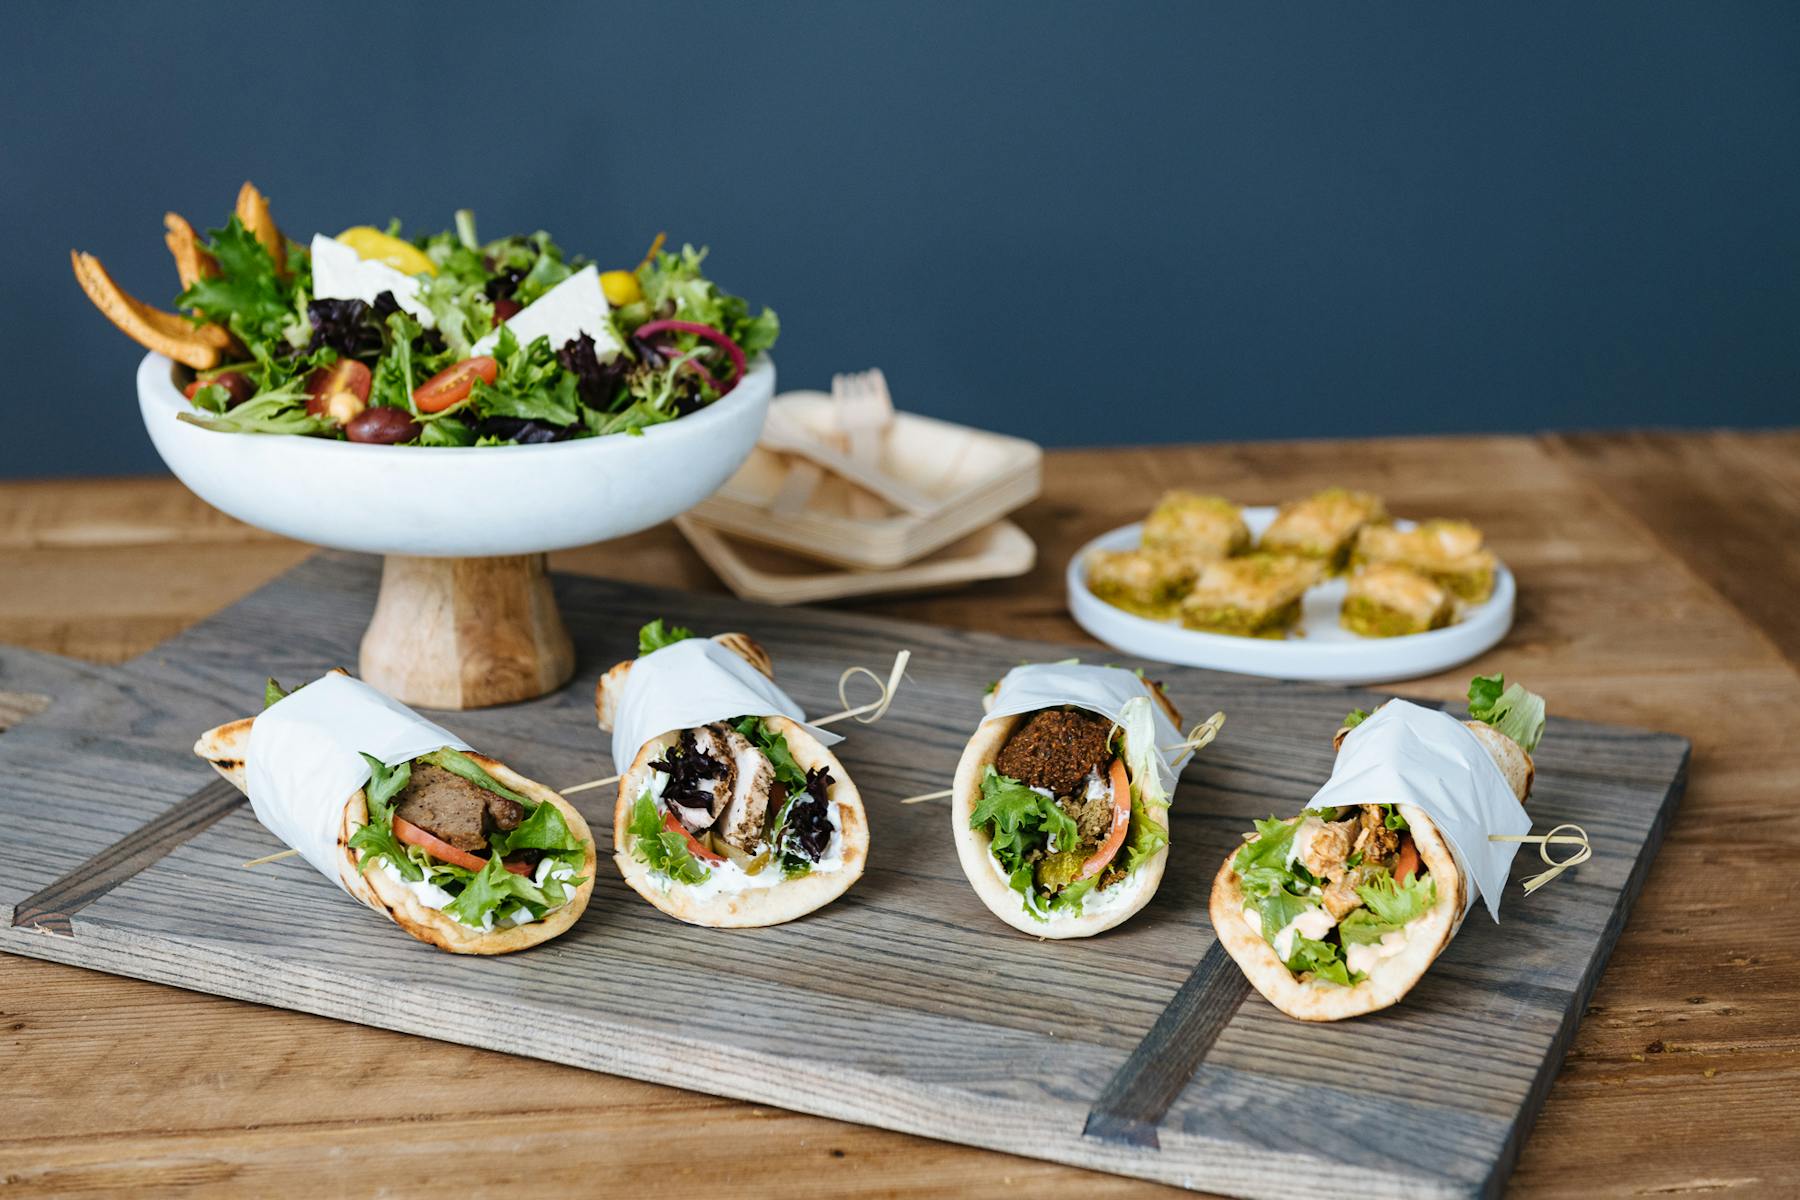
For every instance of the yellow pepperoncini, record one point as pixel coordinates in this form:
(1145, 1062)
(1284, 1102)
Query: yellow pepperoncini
(372, 244)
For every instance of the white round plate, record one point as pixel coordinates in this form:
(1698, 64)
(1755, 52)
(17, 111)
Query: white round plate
(462, 501)
(1320, 650)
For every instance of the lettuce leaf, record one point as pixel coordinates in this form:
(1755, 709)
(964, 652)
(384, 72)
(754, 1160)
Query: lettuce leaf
(247, 296)
(675, 281)
(491, 886)
(1145, 838)
(659, 848)
(1019, 820)
(656, 635)
(531, 385)
(1323, 960)
(1278, 909)
(774, 747)
(1275, 838)
(545, 829)
(1517, 713)
(376, 838)
(273, 410)
(1356, 717)
(1397, 902)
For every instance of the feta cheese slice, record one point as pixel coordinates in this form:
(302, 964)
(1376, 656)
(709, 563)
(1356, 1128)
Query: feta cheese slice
(565, 312)
(340, 273)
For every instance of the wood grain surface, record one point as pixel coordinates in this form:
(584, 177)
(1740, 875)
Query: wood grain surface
(1684, 1078)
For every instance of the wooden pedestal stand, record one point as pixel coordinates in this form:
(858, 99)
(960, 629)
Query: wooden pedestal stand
(462, 633)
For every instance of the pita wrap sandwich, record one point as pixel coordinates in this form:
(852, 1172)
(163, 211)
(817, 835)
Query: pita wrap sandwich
(454, 847)
(1341, 910)
(1060, 803)
(732, 812)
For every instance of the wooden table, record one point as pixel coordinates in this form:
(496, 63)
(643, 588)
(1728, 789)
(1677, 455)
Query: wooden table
(1659, 586)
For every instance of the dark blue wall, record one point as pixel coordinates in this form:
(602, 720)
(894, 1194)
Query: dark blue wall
(1092, 223)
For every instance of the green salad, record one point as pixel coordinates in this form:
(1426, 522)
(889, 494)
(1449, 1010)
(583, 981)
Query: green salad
(449, 340)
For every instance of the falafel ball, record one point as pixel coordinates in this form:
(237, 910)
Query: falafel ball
(1055, 749)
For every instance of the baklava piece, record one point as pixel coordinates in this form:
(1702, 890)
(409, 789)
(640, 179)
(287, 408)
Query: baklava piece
(1202, 527)
(1385, 600)
(1449, 552)
(1323, 526)
(1258, 595)
(1149, 582)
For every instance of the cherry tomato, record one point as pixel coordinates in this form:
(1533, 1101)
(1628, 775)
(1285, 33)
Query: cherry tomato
(340, 391)
(450, 385)
(382, 427)
(237, 386)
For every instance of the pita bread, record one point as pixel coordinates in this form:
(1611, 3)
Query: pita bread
(225, 748)
(1426, 936)
(192, 263)
(984, 875)
(171, 335)
(253, 211)
(751, 907)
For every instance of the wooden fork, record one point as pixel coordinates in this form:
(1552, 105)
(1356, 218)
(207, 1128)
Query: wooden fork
(864, 410)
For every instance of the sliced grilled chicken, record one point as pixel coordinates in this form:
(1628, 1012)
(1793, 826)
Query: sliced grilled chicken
(753, 777)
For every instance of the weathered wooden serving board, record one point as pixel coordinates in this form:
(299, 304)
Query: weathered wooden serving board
(904, 1005)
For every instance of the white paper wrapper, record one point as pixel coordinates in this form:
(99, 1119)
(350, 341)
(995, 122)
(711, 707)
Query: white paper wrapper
(1405, 754)
(693, 683)
(305, 759)
(1102, 690)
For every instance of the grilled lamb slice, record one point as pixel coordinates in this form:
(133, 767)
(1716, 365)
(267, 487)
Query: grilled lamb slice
(452, 808)
(752, 781)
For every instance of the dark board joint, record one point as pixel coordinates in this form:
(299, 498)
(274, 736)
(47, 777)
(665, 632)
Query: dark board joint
(52, 908)
(1134, 1101)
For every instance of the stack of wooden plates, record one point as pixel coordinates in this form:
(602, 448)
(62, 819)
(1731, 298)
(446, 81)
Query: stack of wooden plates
(842, 541)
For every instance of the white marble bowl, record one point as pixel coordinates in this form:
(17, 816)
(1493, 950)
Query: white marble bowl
(456, 502)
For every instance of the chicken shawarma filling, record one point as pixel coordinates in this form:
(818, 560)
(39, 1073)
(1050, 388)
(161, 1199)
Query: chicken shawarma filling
(731, 794)
(1333, 891)
(1065, 821)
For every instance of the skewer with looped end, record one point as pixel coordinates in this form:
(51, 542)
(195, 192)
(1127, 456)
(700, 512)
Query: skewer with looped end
(862, 714)
(1197, 739)
(1543, 841)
